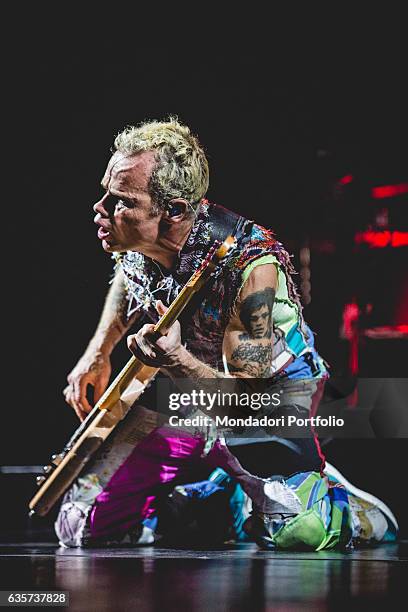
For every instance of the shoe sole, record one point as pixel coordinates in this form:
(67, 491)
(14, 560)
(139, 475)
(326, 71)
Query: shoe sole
(330, 470)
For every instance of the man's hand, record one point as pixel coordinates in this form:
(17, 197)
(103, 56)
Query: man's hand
(159, 353)
(94, 368)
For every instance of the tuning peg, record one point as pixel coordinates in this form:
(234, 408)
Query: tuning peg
(40, 479)
(47, 469)
(56, 458)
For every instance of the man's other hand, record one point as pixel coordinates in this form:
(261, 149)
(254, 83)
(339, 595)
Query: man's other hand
(94, 368)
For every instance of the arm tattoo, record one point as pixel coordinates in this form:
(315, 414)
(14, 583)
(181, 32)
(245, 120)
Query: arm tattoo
(252, 352)
(256, 314)
(252, 370)
(256, 359)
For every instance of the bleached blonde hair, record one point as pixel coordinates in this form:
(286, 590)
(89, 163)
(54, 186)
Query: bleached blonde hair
(181, 170)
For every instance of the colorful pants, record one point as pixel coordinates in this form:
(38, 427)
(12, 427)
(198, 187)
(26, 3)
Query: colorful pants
(120, 488)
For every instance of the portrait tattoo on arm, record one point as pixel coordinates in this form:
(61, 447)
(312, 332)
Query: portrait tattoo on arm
(253, 354)
(256, 314)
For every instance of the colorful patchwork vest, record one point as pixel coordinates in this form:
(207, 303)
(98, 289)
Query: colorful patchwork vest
(204, 323)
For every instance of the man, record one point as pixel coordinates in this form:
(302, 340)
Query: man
(153, 218)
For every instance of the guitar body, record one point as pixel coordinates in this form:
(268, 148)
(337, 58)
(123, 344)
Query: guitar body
(117, 400)
(71, 465)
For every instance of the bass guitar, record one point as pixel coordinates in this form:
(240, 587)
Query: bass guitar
(118, 398)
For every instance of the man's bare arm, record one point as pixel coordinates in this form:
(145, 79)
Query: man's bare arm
(94, 367)
(113, 323)
(247, 344)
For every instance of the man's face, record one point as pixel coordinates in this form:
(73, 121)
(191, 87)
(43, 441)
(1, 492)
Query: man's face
(124, 212)
(259, 322)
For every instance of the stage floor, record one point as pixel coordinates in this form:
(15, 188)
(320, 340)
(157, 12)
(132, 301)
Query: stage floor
(238, 577)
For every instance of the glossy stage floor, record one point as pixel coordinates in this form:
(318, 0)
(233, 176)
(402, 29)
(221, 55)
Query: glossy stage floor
(239, 577)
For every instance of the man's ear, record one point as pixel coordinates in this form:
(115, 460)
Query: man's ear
(176, 210)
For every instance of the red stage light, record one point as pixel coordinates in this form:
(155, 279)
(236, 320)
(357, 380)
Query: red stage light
(389, 191)
(399, 239)
(345, 180)
(378, 240)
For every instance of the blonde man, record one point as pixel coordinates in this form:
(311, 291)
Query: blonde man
(154, 219)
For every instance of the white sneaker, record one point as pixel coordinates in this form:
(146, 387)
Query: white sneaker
(371, 517)
(282, 499)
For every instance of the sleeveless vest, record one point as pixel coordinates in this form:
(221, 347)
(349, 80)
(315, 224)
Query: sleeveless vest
(204, 323)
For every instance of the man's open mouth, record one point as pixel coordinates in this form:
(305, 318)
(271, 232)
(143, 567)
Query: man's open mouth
(103, 233)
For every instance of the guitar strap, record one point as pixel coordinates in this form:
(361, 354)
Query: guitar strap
(223, 223)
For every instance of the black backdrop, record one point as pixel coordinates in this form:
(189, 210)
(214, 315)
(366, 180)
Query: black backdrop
(281, 120)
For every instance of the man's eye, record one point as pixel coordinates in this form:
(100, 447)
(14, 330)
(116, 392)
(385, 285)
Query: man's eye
(123, 204)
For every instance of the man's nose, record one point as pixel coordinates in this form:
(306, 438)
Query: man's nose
(99, 207)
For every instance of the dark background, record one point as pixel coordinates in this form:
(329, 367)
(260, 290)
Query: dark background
(282, 117)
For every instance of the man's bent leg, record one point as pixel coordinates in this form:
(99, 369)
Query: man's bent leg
(273, 498)
(165, 456)
(105, 478)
